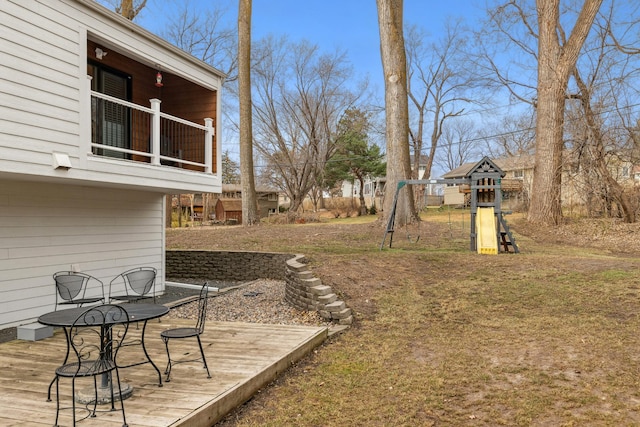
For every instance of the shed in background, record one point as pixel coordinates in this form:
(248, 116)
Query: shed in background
(229, 210)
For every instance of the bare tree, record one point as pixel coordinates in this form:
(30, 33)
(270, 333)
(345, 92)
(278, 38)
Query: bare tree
(130, 10)
(598, 148)
(299, 97)
(438, 87)
(535, 34)
(459, 144)
(127, 8)
(204, 35)
(394, 66)
(556, 62)
(625, 37)
(512, 135)
(249, 200)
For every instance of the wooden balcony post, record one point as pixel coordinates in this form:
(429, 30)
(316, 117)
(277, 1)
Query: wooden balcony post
(155, 131)
(208, 145)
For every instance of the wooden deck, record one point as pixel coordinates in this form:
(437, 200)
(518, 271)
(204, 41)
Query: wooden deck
(242, 358)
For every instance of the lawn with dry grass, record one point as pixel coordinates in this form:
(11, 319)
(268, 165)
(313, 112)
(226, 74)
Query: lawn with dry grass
(446, 337)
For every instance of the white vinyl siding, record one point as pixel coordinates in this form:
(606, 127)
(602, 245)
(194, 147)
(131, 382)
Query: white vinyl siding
(44, 93)
(46, 228)
(39, 90)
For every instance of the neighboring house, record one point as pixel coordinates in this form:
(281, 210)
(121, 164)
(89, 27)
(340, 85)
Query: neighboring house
(229, 203)
(422, 165)
(99, 121)
(518, 180)
(268, 198)
(453, 194)
(283, 200)
(583, 184)
(373, 191)
(374, 186)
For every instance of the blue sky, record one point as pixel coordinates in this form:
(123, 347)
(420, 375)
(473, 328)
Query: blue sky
(351, 25)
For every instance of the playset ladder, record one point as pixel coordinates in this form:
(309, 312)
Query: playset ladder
(506, 237)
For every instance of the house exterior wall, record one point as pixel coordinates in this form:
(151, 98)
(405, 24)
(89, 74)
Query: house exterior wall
(100, 215)
(266, 206)
(45, 228)
(453, 196)
(45, 94)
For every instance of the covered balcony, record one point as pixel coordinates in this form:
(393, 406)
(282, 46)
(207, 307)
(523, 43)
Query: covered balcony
(150, 114)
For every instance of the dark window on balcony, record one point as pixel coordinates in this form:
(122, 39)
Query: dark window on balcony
(110, 122)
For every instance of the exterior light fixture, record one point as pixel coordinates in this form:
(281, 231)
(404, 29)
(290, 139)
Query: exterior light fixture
(100, 53)
(159, 79)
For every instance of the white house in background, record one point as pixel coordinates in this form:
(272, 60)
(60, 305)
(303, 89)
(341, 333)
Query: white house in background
(373, 190)
(99, 120)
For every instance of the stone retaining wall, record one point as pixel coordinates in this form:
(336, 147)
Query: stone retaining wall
(302, 290)
(225, 265)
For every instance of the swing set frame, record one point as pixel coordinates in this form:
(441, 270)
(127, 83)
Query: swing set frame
(401, 184)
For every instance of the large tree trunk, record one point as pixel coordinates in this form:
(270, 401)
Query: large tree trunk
(555, 64)
(247, 179)
(394, 64)
(546, 202)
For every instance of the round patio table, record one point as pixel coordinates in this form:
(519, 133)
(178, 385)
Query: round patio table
(137, 313)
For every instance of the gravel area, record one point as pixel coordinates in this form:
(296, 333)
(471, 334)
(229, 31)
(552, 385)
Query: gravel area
(260, 301)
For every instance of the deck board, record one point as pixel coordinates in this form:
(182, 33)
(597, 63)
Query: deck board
(242, 358)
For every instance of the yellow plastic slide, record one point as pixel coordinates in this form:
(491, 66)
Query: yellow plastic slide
(486, 242)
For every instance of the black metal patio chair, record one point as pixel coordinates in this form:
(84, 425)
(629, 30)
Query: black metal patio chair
(71, 288)
(188, 332)
(134, 285)
(95, 339)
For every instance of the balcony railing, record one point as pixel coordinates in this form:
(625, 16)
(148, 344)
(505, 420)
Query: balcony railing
(124, 130)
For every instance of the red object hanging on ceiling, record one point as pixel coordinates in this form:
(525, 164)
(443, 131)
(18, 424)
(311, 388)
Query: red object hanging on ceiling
(159, 79)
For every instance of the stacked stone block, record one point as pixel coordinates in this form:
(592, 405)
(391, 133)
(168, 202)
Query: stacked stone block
(306, 292)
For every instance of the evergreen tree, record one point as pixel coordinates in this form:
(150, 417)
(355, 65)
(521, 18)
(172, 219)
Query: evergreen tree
(230, 169)
(355, 159)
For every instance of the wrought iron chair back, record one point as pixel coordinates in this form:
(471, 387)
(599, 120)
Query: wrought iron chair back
(95, 338)
(202, 308)
(139, 283)
(71, 288)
